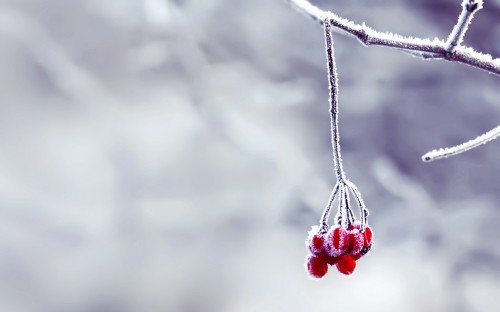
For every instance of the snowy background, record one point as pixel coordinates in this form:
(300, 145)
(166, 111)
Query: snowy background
(170, 155)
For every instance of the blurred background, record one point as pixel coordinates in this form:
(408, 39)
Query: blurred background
(171, 155)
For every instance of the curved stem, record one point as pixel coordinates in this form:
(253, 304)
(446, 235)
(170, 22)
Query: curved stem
(334, 113)
(328, 208)
(350, 214)
(362, 207)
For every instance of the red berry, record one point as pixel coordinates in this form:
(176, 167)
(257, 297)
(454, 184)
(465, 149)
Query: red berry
(354, 226)
(356, 240)
(315, 243)
(329, 259)
(358, 255)
(336, 242)
(368, 236)
(346, 265)
(316, 266)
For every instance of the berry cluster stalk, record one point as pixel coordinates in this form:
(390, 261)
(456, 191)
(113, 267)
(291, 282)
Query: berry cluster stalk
(348, 240)
(334, 110)
(334, 123)
(345, 217)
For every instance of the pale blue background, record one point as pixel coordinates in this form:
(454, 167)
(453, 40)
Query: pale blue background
(171, 155)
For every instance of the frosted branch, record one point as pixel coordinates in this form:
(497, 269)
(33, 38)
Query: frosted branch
(451, 151)
(424, 48)
(451, 50)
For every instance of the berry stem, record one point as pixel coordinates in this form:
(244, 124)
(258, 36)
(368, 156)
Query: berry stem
(344, 207)
(363, 211)
(347, 202)
(334, 113)
(328, 208)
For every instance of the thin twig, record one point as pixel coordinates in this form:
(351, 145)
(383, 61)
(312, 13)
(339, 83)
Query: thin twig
(451, 151)
(425, 48)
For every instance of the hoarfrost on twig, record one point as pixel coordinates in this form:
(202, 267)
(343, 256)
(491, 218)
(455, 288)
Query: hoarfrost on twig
(457, 149)
(425, 48)
(429, 49)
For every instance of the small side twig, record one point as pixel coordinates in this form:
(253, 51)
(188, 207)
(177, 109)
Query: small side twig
(451, 151)
(469, 8)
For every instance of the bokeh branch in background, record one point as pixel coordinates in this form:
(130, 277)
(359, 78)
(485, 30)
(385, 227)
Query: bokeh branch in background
(451, 50)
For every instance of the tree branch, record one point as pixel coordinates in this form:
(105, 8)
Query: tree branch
(450, 50)
(424, 48)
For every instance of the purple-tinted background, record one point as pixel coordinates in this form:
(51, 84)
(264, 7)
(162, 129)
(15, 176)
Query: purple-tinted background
(171, 155)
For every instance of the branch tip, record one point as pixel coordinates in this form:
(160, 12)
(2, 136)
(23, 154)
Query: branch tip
(473, 5)
(458, 149)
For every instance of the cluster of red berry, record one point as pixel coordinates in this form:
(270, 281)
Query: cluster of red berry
(348, 239)
(338, 246)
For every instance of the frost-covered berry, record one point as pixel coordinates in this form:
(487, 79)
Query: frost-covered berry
(356, 225)
(356, 241)
(315, 243)
(316, 266)
(346, 265)
(368, 236)
(336, 241)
